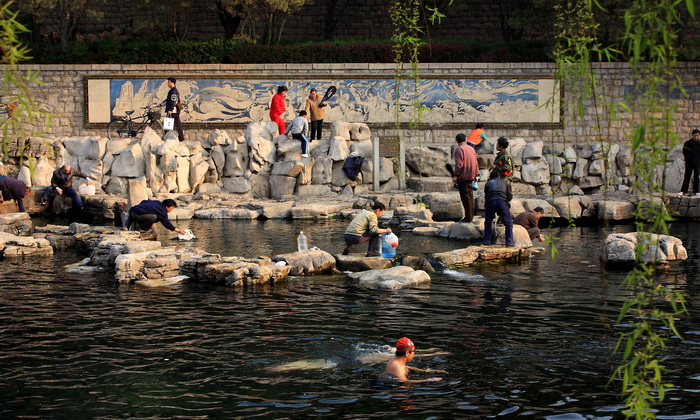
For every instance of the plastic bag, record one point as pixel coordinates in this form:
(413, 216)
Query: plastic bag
(391, 240)
(187, 236)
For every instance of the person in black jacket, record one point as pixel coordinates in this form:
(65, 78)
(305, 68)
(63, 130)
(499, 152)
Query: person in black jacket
(62, 184)
(147, 212)
(171, 107)
(691, 154)
(498, 196)
(13, 189)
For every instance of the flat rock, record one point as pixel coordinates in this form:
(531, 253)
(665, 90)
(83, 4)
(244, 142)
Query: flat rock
(399, 277)
(466, 256)
(15, 223)
(359, 262)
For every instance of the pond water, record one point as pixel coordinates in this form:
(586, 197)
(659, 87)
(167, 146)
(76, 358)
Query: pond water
(530, 339)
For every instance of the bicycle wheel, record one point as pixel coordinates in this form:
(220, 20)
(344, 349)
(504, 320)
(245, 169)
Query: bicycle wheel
(157, 127)
(118, 129)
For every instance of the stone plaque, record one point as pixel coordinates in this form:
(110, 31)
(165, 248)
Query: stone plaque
(389, 146)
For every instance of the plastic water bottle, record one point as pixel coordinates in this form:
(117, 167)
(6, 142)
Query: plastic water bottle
(302, 244)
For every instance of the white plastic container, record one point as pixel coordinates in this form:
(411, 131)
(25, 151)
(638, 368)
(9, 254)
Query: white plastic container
(85, 189)
(302, 244)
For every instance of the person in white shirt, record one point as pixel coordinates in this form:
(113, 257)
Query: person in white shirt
(299, 127)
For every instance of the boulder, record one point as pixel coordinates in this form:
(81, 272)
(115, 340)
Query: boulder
(322, 171)
(620, 248)
(428, 161)
(399, 277)
(305, 263)
(431, 184)
(138, 190)
(358, 262)
(444, 206)
(615, 210)
(130, 162)
(237, 158)
(338, 150)
(237, 185)
(281, 185)
(535, 171)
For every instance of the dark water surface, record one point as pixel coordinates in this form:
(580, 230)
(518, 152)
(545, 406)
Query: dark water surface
(530, 339)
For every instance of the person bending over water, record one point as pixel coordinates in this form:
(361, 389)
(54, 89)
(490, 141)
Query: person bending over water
(397, 366)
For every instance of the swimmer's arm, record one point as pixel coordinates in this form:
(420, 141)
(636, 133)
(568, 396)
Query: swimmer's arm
(420, 381)
(415, 369)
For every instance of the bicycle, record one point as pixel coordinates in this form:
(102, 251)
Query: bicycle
(124, 127)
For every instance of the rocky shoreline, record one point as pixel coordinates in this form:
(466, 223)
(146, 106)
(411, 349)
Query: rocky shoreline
(134, 257)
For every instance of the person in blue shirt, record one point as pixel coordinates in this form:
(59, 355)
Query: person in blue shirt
(147, 212)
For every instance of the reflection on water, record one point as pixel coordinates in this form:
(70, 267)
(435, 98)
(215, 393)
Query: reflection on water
(520, 339)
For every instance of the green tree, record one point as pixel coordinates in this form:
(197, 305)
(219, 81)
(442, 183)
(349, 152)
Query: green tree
(62, 15)
(169, 18)
(14, 92)
(230, 13)
(276, 13)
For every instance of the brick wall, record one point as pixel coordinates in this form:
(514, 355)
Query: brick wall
(63, 94)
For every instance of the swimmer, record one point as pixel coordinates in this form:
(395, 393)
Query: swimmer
(398, 368)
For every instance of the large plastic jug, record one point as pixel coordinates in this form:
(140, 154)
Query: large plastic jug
(302, 244)
(389, 244)
(85, 189)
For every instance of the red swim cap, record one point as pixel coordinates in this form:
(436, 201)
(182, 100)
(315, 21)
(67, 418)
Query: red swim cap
(404, 344)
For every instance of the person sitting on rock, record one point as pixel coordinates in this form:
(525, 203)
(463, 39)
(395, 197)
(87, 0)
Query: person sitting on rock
(398, 368)
(62, 184)
(13, 189)
(365, 228)
(498, 196)
(147, 212)
(298, 128)
(529, 220)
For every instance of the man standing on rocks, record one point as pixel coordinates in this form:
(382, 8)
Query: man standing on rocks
(173, 105)
(529, 220)
(62, 184)
(466, 171)
(365, 228)
(498, 196)
(13, 189)
(691, 155)
(146, 213)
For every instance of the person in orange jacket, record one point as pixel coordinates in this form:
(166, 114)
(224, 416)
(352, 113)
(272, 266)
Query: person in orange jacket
(277, 108)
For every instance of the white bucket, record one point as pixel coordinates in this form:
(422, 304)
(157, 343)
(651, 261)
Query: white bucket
(85, 189)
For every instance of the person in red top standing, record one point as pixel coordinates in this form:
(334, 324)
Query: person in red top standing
(466, 170)
(277, 108)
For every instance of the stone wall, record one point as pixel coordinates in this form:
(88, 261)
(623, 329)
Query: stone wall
(63, 93)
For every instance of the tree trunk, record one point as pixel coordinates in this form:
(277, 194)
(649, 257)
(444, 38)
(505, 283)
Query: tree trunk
(228, 20)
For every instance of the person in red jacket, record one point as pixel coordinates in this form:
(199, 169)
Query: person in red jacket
(277, 108)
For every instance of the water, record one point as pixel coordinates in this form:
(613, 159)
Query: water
(530, 339)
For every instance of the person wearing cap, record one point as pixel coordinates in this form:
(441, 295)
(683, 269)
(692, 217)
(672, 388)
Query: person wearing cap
(691, 155)
(529, 220)
(398, 367)
(147, 212)
(365, 228)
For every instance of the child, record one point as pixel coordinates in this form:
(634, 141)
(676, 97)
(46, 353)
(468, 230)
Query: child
(299, 127)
